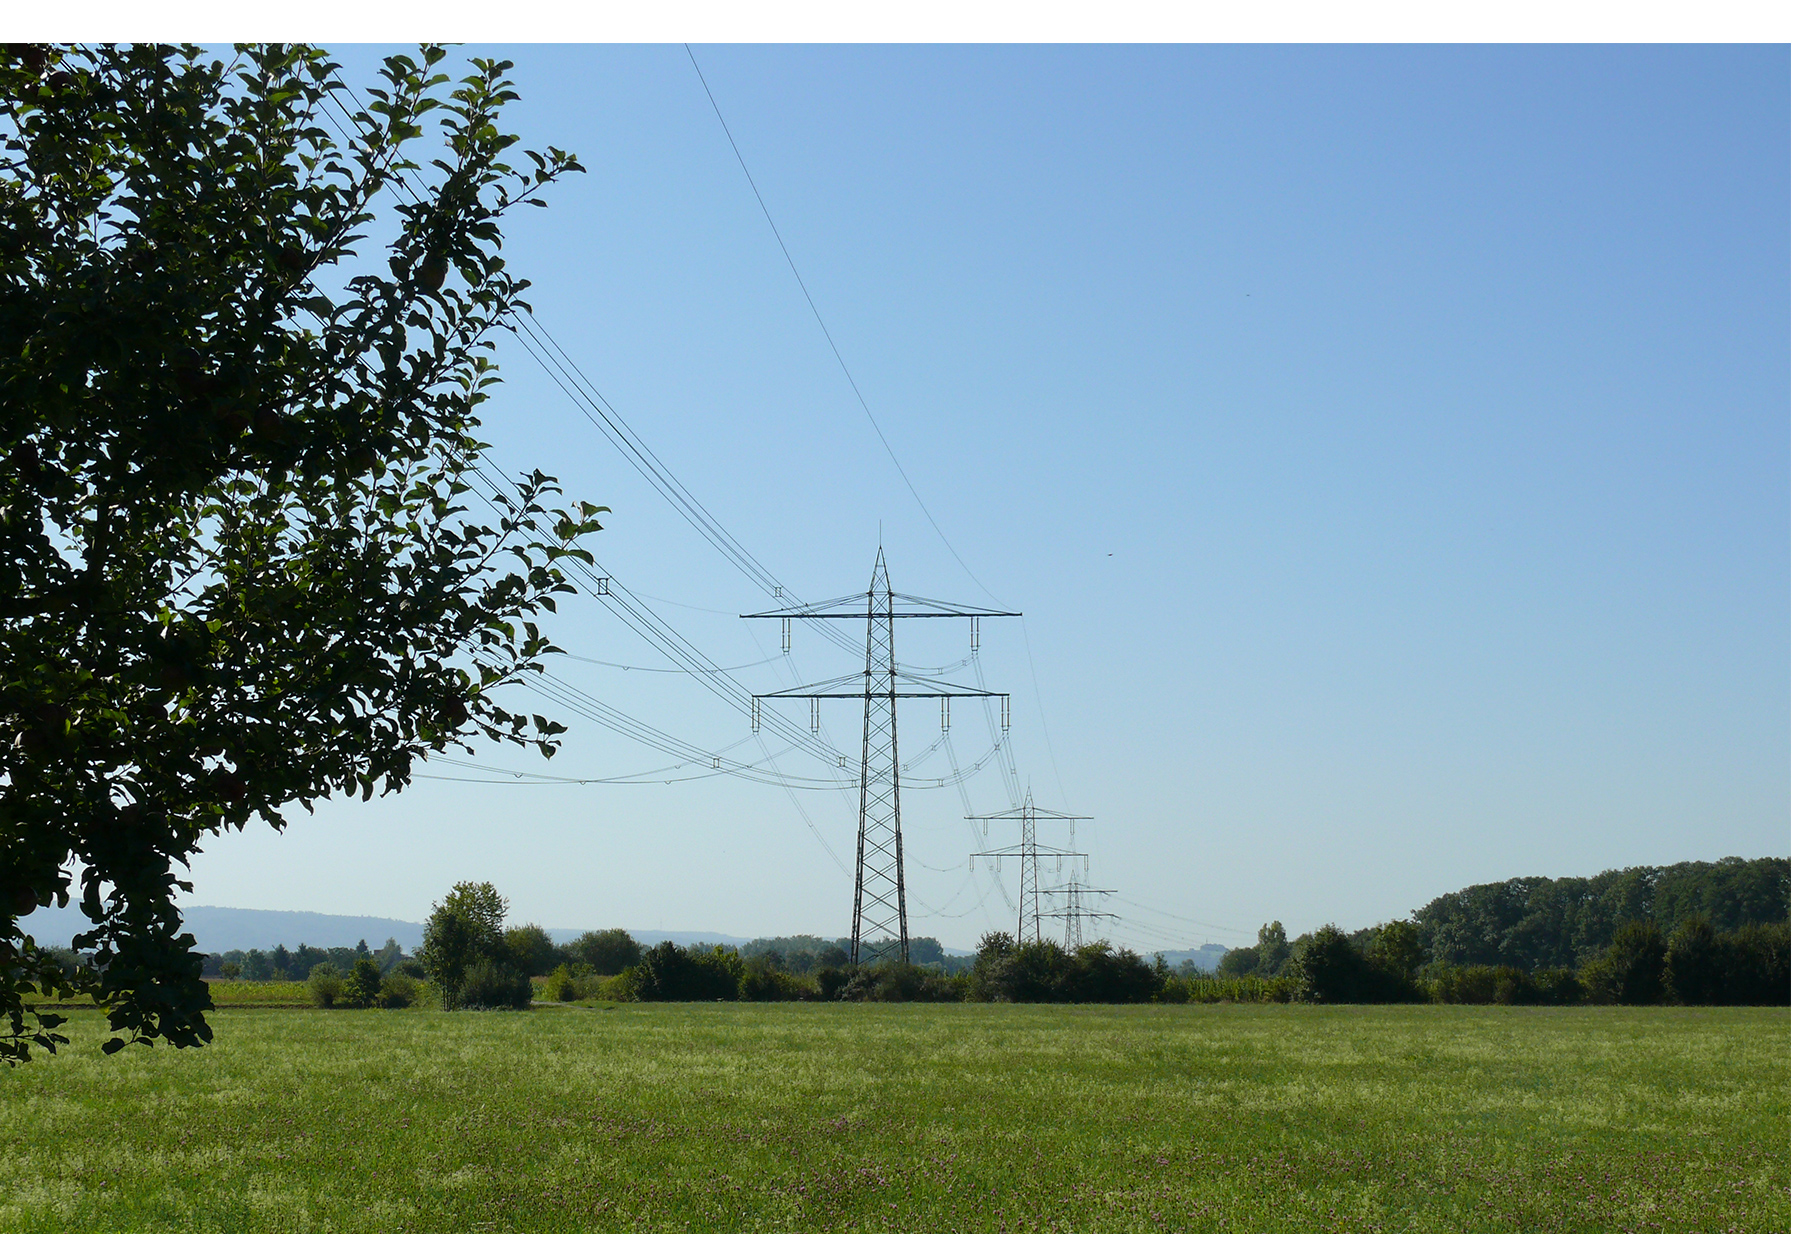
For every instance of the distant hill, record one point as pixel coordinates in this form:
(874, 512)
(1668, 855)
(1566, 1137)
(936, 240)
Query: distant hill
(244, 929)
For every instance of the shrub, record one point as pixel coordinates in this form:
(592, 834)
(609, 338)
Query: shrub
(1463, 983)
(1558, 987)
(568, 982)
(671, 974)
(397, 990)
(832, 979)
(618, 988)
(607, 952)
(1328, 968)
(1759, 964)
(230, 971)
(1238, 962)
(325, 985)
(1695, 965)
(764, 983)
(530, 950)
(559, 986)
(1631, 971)
(363, 986)
(901, 983)
(490, 986)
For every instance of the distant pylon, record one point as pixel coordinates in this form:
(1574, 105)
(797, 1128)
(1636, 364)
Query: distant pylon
(1074, 912)
(1030, 853)
(878, 913)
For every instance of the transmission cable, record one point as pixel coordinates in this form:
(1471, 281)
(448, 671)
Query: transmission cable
(823, 329)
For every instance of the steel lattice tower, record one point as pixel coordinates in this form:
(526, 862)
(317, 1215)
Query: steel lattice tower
(1073, 913)
(878, 915)
(880, 863)
(1030, 852)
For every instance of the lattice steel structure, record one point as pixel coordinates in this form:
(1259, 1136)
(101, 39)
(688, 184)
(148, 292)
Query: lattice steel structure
(1073, 912)
(878, 915)
(1030, 853)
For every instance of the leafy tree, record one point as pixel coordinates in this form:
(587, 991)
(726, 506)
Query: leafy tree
(460, 933)
(1695, 965)
(1536, 923)
(325, 984)
(1272, 949)
(1238, 962)
(1631, 971)
(397, 990)
(1329, 968)
(492, 985)
(1394, 951)
(1759, 963)
(531, 950)
(672, 974)
(241, 361)
(363, 986)
(607, 952)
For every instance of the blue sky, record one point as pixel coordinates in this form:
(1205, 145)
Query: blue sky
(1388, 448)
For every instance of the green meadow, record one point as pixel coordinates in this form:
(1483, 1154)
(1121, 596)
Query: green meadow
(913, 1117)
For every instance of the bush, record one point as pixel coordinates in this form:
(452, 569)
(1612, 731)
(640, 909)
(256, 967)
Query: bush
(832, 979)
(1759, 966)
(764, 983)
(901, 983)
(1042, 972)
(397, 990)
(325, 985)
(363, 986)
(530, 950)
(1238, 962)
(490, 986)
(559, 986)
(671, 974)
(1472, 984)
(607, 952)
(1328, 966)
(1558, 987)
(568, 982)
(1695, 965)
(1631, 971)
(1484, 984)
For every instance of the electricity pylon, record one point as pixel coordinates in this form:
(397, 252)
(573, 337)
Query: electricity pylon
(1029, 852)
(878, 917)
(1073, 913)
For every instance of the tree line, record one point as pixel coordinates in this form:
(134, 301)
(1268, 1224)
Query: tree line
(1732, 947)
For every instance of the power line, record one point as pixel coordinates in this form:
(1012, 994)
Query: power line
(825, 330)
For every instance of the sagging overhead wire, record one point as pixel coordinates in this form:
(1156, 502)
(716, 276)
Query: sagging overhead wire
(825, 330)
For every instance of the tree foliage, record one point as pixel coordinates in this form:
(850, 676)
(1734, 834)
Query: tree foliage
(607, 952)
(531, 950)
(1533, 923)
(464, 931)
(245, 323)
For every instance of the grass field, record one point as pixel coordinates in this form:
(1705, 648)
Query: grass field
(913, 1117)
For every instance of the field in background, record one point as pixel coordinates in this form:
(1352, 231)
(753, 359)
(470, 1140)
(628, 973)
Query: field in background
(259, 993)
(915, 1118)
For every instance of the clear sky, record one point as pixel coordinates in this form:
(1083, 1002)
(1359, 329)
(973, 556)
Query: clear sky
(1388, 448)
